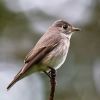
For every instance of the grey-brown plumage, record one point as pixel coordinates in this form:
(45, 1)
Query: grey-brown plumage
(51, 50)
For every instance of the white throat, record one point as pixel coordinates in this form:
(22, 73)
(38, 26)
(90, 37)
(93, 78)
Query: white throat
(67, 35)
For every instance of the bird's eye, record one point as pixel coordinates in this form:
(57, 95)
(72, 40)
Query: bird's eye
(65, 27)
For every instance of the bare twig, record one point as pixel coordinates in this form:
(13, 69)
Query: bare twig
(53, 84)
(52, 76)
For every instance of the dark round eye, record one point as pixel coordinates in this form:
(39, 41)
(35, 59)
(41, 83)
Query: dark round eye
(65, 27)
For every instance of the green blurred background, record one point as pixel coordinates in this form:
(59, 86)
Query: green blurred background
(22, 23)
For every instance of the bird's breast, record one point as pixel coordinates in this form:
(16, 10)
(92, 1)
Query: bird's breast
(58, 55)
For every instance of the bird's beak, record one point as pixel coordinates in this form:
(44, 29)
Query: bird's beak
(75, 29)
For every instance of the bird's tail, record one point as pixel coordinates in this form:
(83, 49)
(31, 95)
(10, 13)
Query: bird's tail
(20, 75)
(17, 78)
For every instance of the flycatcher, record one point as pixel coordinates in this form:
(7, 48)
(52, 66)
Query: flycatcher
(49, 52)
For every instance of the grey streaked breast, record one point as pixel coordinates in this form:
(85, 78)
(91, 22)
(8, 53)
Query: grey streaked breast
(57, 57)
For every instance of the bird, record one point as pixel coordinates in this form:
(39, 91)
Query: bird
(49, 52)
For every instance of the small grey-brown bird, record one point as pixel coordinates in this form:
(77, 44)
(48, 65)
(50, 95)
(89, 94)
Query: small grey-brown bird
(49, 52)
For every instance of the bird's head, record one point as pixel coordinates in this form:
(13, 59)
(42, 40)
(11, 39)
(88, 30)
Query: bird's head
(64, 27)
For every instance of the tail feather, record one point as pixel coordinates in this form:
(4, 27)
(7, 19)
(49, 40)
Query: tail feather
(21, 74)
(17, 78)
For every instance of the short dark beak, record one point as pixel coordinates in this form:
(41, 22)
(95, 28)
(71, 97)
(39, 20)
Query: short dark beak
(75, 29)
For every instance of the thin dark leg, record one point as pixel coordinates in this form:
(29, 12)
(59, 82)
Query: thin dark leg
(52, 76)
(48, 74)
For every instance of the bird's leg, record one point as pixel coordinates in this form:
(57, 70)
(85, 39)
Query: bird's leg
(48, 74)
(52, 76)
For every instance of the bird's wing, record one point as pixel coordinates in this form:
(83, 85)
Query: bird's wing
(38, 57)
(44, 44)
(33, 53)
